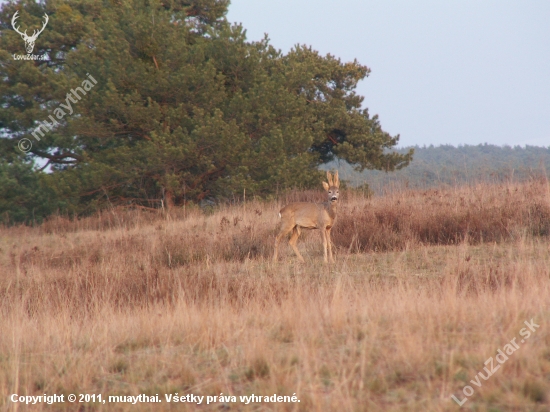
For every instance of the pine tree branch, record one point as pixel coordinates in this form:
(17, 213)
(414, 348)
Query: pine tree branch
(59, 158)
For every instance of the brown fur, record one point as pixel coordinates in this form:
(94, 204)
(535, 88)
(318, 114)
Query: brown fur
(296, 216)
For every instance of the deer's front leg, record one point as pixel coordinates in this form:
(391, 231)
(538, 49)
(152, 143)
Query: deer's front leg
(331, 260)
(324, 234)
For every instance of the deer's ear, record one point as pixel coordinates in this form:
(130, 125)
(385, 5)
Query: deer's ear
(336, 180)
(326, 186)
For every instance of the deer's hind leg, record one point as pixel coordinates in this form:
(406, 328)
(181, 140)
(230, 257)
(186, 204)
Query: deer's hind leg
(293, 240)
(284, 230)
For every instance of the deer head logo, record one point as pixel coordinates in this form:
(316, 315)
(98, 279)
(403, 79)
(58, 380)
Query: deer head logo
(29, 40)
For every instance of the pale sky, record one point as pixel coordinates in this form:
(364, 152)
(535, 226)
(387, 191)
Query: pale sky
(443, 72)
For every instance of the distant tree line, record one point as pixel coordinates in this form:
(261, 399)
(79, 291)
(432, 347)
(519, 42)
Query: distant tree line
(450, 165)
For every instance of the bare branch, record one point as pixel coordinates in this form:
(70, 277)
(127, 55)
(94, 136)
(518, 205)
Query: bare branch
(59, 158)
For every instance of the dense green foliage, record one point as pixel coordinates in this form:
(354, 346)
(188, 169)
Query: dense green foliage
(24, 194)
(450, 165)
(184, 108)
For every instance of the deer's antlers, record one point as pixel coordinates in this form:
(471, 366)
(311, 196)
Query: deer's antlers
(35, 33)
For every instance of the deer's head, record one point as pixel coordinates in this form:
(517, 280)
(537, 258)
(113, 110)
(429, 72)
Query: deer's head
(29, 40)
(332, 187)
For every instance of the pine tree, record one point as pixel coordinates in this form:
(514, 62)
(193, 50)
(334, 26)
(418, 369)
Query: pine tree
(184, 107)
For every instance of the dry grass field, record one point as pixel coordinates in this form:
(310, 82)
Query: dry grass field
(427, 286)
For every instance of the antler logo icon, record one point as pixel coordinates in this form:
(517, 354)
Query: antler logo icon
(29, 40)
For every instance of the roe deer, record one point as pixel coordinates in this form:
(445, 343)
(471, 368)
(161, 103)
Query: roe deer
(296, 216)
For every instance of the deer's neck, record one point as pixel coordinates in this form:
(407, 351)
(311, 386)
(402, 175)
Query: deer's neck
(331, 208)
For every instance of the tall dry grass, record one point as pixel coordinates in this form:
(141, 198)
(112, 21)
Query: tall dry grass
(426, 287)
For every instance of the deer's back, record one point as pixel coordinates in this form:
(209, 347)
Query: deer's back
(306, 215)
